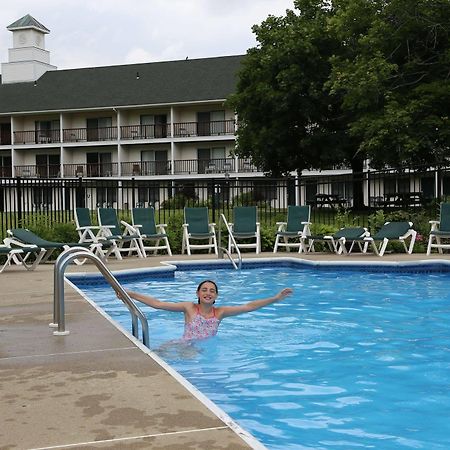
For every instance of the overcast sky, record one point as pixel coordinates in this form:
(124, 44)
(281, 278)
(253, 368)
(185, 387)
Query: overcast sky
(86, 33)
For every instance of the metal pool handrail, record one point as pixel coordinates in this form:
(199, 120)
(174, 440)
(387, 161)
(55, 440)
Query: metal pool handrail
(61, 264)
(223, 250)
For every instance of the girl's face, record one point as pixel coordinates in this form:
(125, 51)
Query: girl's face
(207, 293)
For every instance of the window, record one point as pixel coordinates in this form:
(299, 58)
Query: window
(211, 160)
(210, 123)
(154, 162)
(47, 165)
(46, 131)
(100, 129)
(99, 164)
(154, 126)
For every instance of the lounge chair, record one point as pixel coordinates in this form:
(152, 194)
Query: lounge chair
(245, 226)
(440, 229)
(87, 231)
(23, 236)
(107, 219)
(391, 231)
(93, 234)
(197, 227)
(337, 241)
(289, 233)
(143, 221)
(27, 256)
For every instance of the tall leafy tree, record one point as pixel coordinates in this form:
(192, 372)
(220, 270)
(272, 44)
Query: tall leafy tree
(342, 80)
(396, 80)
(287, 119)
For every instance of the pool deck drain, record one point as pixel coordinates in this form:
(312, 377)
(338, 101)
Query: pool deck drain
(95, 388)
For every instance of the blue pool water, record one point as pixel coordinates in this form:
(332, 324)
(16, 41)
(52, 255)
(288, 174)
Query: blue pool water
(352, 360)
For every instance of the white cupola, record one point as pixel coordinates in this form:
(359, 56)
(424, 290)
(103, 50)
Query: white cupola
(28, 59)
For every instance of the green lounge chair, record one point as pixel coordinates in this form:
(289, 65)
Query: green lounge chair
(20, 255)
(143, 221)
(93, 234)
(196, 227)
(391, 231)
(107, 219)
(23, 236)
(245, 226)
(337, 241)
(289, 233)
(440, 229)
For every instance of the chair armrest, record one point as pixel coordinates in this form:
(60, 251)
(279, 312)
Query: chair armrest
(129, 229)
(161, 227)
(434, 225)
(281, 226)
(10, 240)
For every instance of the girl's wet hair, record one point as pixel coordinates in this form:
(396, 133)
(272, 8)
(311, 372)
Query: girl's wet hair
(207, 281)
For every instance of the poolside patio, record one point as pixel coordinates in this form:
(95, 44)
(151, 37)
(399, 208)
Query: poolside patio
(95, 388)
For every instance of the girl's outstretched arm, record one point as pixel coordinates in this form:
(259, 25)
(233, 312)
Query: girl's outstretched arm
(226, 311)
(158, 304)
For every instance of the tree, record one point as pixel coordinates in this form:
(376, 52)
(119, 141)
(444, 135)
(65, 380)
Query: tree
(397, 82)
(287, 119)
(340, 81)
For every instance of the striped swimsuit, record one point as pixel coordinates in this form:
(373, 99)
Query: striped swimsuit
(200, 327)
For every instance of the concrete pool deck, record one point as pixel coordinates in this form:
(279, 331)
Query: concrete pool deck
(95, 388)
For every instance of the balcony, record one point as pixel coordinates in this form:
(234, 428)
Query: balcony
(212, 128)
(91, 170)
(90, 134)
(127, 133)
(137, 132)
(134, 168)
(36, 137)
(146, 168)
(38, 171)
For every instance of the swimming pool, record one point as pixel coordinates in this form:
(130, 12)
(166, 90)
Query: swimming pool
(354, 359)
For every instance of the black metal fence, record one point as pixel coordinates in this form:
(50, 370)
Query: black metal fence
(26, 200)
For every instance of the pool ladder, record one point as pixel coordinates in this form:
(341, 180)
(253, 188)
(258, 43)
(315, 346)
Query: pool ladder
(63, 260)
(223, 250)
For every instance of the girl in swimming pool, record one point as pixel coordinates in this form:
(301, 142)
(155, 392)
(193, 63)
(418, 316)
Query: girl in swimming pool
(202, 319)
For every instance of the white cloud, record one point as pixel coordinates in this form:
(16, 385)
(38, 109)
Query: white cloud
(104, 32)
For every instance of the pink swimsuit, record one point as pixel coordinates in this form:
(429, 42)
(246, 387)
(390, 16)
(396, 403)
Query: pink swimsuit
(200, 327)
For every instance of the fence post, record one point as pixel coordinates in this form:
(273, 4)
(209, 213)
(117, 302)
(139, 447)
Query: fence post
(19, 201)
(79, 194)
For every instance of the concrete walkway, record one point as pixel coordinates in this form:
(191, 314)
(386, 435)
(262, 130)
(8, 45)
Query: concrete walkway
(95, 388)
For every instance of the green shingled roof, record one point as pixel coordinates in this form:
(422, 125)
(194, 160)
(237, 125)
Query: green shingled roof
(115, 86)
(27, 22)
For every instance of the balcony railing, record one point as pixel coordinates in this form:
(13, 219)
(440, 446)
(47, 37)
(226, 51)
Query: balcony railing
(127, 132)
(36, 137)
(90, 134)
(91, 170)
(134, 132)
(212, 128)
(145, 168)
(133, 168)
(39, 171)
